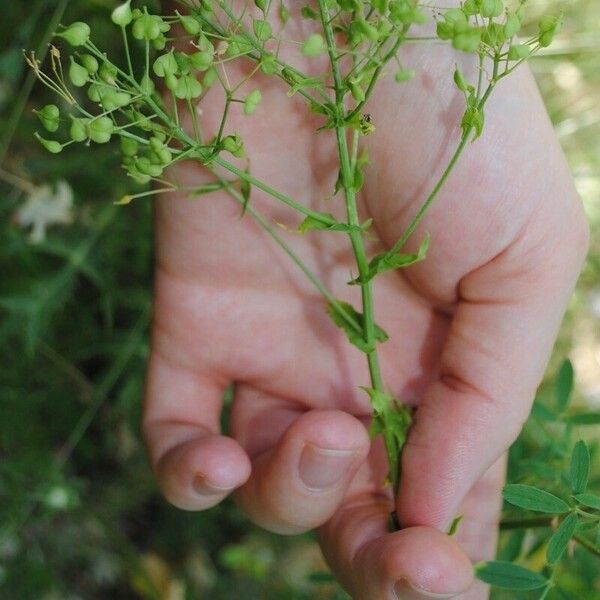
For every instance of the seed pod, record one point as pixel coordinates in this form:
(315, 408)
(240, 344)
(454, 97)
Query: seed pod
(171, 82)
(191, 25)
(404, 75)
(165, 65)
(129, 147)
(260, 4)
(165, 156)
(361, 26)
(188, 87)
(49, 117)
(122, 15)
(90, 63)
(156, 143)
(101, 130)
(234, 145)
(50, 145)
(147, 85)
(512, 26)
(160, 42)
(268, 65)
(491, 8)
(357, 92)
(460, 81)
(314, 45)
(76, 34)
(77, 74)
(95, 92)
(112, 100)
(518, 52)
(209, 77)
(79, 130)
(108, 73)
(262, 29)
(252, 101)
(201, 61)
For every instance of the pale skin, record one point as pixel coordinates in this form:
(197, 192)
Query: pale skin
(471, 329)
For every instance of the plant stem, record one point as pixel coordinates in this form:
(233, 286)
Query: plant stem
(356, 239)
(587, 544)
(510, 524)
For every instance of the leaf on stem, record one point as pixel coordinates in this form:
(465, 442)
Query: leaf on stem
(584, 418)
(589, 500)
(389, 261)
(579, 471)
(509, 576)
(532, 498)
(561, 538)
(355, 337)
(564, 385)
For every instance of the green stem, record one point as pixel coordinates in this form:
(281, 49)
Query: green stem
(587, 544)
(356, 239)
(127, 52)
(532, 522)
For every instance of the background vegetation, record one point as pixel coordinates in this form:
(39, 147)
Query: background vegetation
(80, 516)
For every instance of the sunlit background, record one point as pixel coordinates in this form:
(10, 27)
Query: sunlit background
(80, 516)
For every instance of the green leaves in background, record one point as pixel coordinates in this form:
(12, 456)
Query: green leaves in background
(532, 498)
(579, 470)
(561, 538)
(510, 576)
(564, 385)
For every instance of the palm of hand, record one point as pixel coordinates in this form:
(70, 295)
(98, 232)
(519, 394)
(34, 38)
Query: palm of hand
(231, 307)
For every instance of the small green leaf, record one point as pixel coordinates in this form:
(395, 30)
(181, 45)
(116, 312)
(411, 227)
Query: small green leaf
(355, 337)
(584, 418)
(245, 189)
(455, 525)
(564, 385)
(579, 471)
(532, 498)
(509, 576)
(561, 538)
(312, 223)
(392, 260)
(589, 500)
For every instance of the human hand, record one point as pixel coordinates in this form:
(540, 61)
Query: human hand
(471, 329)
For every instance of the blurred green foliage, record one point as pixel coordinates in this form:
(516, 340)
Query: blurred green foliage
(80, 516)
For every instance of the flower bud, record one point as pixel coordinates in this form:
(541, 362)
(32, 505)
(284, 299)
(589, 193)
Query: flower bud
(76, 34)
(122, 15)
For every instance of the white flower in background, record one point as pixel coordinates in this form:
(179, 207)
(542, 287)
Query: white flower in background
(45, 206)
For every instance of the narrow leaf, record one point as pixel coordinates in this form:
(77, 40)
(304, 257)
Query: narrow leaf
(455, 525)
(389, 261)
(355, 337)
(584, 418)
(509, 576)
(561, 538)
(589, 500)
(564, 385)
(532, 498)
(579, 471)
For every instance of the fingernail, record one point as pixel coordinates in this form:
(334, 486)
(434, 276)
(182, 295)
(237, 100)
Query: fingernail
(203, 487)
(404, 590)
(321, 468)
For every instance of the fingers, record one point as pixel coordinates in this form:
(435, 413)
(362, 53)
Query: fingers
(413, 564)
(299, 481)
(195, 466)
(496, 351)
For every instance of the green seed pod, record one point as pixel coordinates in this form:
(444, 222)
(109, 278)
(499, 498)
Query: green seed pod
(190, 24)
(50, 145)
(471, 7)
(518, 52)
(188, 87)
(77, 74)
(101, 130)
(49, 117)
(491, 8)
(548, 28)
(108, 73)
(129, 147)
(147, 85)
(79, 130)
(262, 29)
(165, 65)
(252, 101)
(260, 4)
(234, 145)
(112, 100)
(149, 27)
(467, 41)
(204, 44)
(381, 6)
(444, 30)
(171, 82)
(201, 61)
(404, 75)
(455, 15)
(156, 143)
(493, 35)
(76, 34)
(95, 92)
(314, 45)
(165, 156)
(160, 42)
(122, 15)
(145, 167)
(512, 26)
(268, 64)
(90, 63)
(209, 77)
